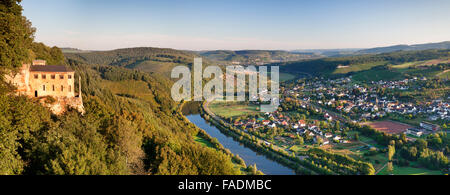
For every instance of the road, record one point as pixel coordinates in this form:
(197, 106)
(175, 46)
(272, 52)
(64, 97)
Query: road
(259, 141)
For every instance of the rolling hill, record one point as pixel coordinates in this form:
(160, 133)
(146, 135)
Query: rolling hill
(404, 61)
(147, 59)
(416, 47)
(255, 57)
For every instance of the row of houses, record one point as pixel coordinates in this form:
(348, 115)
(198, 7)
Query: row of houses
(353, 98)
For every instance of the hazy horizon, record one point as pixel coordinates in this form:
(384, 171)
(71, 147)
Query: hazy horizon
(238, 25)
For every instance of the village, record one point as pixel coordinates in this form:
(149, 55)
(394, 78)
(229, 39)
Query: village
(334, 103)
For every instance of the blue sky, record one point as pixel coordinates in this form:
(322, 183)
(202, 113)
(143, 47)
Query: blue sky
(233, 24)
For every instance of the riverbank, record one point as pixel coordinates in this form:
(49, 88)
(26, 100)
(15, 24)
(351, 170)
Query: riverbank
(203, 138)
(270, 151)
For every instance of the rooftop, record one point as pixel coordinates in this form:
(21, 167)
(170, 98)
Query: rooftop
(50, 68)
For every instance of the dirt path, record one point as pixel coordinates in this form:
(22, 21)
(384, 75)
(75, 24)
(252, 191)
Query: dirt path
(443, 72)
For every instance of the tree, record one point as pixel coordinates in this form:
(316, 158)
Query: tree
(301, 141)
(390, 168)
(356, 136)
(421, 144)
(16, 35)
(391, 152)
(319, 140)
(10, 161)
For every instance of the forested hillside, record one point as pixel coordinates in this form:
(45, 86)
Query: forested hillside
(351, 64)
(119, 134)
(147, 59)
(138, 130)
(255, 57)
(417, 47)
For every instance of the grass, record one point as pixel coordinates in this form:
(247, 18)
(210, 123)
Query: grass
(410, 171)
(297, 148)
(232, 109)
(422, 63)
(408, 64)
(378, 74)
(444, 74)
(286, 76)
(381, 158)
(203, 141)
(358, 67)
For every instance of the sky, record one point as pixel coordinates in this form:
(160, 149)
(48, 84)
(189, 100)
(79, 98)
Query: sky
(237, 24)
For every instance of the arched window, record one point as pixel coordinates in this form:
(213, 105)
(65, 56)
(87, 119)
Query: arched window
(53, 86)
(62, 88)
(70, 88)
(43, 87)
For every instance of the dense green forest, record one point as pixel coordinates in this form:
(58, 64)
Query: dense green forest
(120, 133)
(117, 135)
(147, 59)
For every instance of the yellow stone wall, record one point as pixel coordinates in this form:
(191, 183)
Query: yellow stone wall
(54, 85)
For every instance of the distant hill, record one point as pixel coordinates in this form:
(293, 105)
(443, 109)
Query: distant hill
(255, 57)
(417, 47)
(73, 50)
(359, 63)
(328, 52)
(148, 59)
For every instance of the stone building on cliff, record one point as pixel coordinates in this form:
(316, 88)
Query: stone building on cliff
(53, 85)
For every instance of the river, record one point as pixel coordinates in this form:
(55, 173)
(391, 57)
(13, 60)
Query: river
(266, 165)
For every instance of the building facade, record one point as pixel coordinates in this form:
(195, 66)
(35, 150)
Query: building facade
(39, 80)
(48, 80)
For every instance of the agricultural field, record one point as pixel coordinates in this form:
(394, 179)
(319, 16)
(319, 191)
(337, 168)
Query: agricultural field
(444, 74)
(378, 74)
(232, 109)
(422, 63)
(389, 127)
(358, 67)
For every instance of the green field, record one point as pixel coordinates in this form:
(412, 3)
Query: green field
(410, 171)
(297, 148)
(444, 75)
(203, 141)
(378, 74)
(286, 76)
(232, 109)
(421, 63)
(358, 67)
